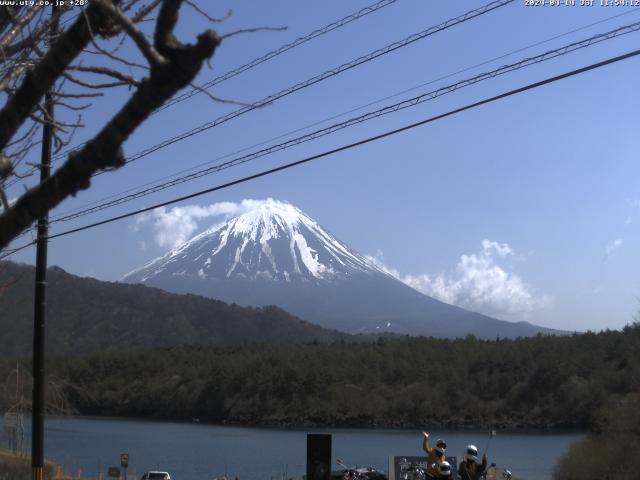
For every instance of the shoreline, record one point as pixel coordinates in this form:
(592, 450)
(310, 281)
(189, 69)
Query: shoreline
(343, 425)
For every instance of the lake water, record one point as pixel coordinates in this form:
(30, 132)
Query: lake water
(194, 451)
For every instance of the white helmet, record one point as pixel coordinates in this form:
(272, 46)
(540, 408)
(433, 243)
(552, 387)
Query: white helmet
(444, 469)
(506, 475)
(471, 452)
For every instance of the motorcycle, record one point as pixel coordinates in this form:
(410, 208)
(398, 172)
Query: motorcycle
(356, 473)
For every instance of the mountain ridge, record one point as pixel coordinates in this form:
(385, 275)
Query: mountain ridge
(270, 221)
(85, 315)
(276, 254)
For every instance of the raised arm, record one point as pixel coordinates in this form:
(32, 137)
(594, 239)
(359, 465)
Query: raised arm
(425, 442)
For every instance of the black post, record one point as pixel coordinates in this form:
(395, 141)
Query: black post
(38, 400)
(37, 421)
(318, 456)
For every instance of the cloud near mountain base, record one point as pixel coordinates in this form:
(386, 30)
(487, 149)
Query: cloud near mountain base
(479, 283)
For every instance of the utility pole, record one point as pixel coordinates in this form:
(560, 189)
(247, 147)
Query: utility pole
(38, 399)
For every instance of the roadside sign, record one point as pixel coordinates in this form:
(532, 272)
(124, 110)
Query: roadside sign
(124, 460)
(114, 472)
(406, 467)
(10, 421)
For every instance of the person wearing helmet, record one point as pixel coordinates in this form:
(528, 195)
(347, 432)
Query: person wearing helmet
(435, 455)
(469, 468)
(444, 471)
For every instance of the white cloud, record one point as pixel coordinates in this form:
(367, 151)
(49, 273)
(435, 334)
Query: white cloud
(501, 249)
(612, 247)
(479, 283)
(174, 226)
(634, 207)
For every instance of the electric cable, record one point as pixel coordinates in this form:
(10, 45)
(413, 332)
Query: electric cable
(264, 58)
(360, 119)
(319, 78)
(257, 61)
(274, 53)
(349, 146)
(333, 117)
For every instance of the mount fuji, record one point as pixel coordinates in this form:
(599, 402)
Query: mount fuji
(275, 254)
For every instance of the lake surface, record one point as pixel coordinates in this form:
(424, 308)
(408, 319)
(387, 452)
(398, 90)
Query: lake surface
(194, 451)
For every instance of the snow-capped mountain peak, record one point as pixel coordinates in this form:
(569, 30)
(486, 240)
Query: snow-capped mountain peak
(269, 219)
(275, 254)
(272, 240)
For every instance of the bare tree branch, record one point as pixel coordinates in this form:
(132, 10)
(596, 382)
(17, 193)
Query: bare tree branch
(163, 37)
(108, 72)
(150, 53)
(48, 70)
(206, 15)
(45, 119)
(252, 30)
(79, 95)
(217, 99)
(18, 68)
(29, 131)
(8, 13)
(144, 11)
(101, 51)
(128, 5)
(6, 169)
(59, 143)
(96, 86)
(34, 36)
(6, 40)
(75, 108)
(104, 151)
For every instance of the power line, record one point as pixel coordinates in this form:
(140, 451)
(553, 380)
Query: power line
(361, 119)
(327, 74)
(324, 76)
(284, 48)
(264, 58)
(11, 251)
(321, 77)
(333, 117)
(367, 140)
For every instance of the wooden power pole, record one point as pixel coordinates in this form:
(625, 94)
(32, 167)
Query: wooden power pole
(38, 399)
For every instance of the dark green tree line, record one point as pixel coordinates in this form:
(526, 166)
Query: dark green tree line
(544, 381)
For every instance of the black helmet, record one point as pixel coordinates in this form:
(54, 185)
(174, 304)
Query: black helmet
(441, 446)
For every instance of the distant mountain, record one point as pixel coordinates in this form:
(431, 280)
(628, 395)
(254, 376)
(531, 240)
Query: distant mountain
(276, 254)
(85, 315)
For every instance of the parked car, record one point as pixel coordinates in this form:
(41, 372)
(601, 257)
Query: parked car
(156, 475)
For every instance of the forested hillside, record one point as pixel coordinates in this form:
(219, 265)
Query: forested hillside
(85, 315)
(544, 381)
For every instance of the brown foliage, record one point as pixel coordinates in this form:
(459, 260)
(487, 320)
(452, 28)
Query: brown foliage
(612, 451)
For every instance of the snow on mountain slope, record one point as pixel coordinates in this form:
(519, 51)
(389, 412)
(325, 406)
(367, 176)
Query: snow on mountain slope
(274, 254)
(274, 241)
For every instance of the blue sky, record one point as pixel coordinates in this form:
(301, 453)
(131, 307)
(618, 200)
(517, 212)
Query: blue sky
(525, 209)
